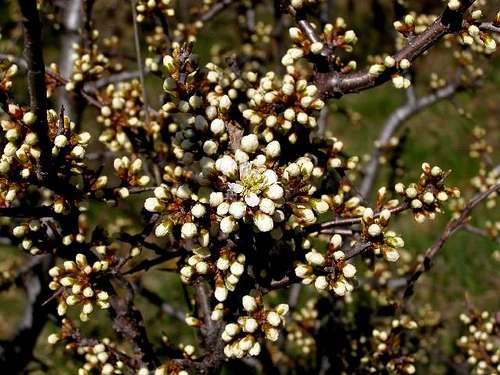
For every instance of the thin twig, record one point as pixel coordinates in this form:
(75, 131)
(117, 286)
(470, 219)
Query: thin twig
(116, 78)
(70, 35)
(451, 228)
(215, 9)
(349, 221)
(489, 26)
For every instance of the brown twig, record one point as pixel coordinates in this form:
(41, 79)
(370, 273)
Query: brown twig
(349, 221)
(335, 84)
(450, 229)
(128, 321)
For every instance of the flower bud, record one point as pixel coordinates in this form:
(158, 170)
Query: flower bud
(374, 230)
(263, 222)
(321, 283)
(349, 270)
(249, 143)
(220, 293)
(249, 303)
(29, 118)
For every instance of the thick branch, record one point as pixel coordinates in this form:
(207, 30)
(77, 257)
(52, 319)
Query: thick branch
(335, 85)
(393, 123)
(128, 321)
(36, 79)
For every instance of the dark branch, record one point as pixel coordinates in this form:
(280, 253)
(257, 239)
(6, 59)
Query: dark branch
(335, 85)
(36, 79)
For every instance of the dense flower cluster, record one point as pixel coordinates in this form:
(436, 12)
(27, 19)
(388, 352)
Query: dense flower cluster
(76, 283)
(241, 338)
(241, 193)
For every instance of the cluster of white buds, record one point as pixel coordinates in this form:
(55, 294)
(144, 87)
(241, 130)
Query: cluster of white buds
(479, 41)
(145, 8)
(20, 149)
(298, 98)
(242, 337)
(260, 47)
(333, 36)
(480, 342)
(123, 118)
(480, 147)
(338, 36)
(484, 181)
(400, 82)
(486, 177)
(101, 356)
(436, 81)
(68, 146)
(329, 271)
(302, 323)
(427, 195)
(130, 173)
(229, 271)
(345, 205)
(406, 26)
(21, 152)
(383, 349)
(383, 242)
(32, 239)
(76, 281)
(169, 202)
(89, 64)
